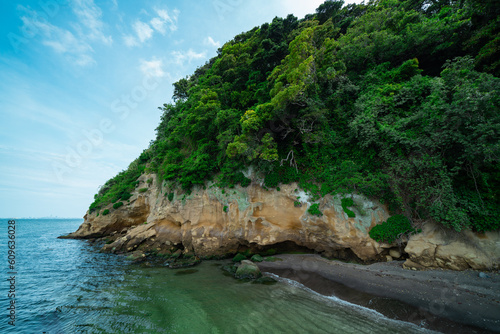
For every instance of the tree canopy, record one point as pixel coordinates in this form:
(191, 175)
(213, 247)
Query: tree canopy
(395, 99)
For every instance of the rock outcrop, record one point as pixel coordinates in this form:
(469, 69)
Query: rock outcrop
(216, 222)
(248, 269)
(438, 248)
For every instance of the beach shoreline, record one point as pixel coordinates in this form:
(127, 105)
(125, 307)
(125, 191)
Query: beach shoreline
(442, 300)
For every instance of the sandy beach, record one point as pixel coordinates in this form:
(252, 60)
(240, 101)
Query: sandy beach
(442, 300)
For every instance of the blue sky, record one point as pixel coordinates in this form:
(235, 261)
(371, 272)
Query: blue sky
(81, 81)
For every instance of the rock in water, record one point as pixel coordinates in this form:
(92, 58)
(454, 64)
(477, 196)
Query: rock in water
(248, 269)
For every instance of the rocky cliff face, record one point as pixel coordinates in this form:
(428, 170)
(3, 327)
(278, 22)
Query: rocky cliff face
(436, 247)
(216, 221)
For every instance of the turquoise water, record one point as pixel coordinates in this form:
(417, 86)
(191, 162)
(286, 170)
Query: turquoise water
(68, 286)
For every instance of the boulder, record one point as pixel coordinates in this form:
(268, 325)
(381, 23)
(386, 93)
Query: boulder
(248, 269)
(394, 253)
(436, 247)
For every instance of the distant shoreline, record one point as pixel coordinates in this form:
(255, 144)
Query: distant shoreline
(443, 300)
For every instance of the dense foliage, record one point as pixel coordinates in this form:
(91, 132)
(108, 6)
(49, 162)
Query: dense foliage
(395, 99)
(394, 228)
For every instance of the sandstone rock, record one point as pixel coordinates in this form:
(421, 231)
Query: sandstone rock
(257, 217)
(388, 258)
(437, 248)
(409, 264)
(198, 223)
(134, 237)
(119, 219)
(395, 253)
(248, 269)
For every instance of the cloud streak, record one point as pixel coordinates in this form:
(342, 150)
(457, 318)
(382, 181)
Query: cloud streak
(143, 31)
(90, 16)
(210, 42)
(181, 57)
(153, 67)
(73, 44)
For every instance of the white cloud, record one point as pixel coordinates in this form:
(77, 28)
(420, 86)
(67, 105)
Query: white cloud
(161, 23)
(90, 16)
(143, 31)
(74, 44)
(299, 8)
(84, 60)
(154, 67)
(180, 57)
(62, 41)
(130, 40)
(210, 42)
(163, 20)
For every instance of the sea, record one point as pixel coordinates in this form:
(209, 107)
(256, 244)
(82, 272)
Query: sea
(51, 285)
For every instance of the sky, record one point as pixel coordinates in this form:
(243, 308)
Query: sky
(81, 82)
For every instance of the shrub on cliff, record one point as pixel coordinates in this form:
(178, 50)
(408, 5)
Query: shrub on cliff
(314, 210)
(394, 228)
(346, 203)
(117, 205)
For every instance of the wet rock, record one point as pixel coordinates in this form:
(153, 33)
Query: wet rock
(257, 258)
(184, 263)
(137, 256)
(248, 269)
(176, 254)
(229, 268)
(265, 280)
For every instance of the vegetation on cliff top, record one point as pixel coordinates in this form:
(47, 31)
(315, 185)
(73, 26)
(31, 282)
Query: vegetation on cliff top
(395, 99)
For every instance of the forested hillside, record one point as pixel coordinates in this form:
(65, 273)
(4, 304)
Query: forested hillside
(397, 100)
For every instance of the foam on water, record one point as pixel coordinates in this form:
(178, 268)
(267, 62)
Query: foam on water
(373, 314)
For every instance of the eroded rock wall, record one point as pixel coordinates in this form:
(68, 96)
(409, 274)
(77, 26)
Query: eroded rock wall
(436, 247)
(216, 221)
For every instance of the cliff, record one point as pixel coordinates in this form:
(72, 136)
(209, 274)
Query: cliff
(216, 222)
